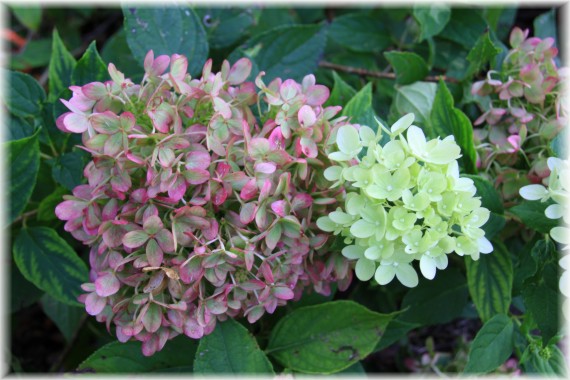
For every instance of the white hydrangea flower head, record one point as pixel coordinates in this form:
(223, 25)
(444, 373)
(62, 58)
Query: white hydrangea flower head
(405, 202)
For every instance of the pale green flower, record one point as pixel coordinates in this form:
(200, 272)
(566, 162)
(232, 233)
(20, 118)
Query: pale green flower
(405, 202)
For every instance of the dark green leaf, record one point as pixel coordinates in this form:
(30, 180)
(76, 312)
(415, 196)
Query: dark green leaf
(117, 51)
(432, 19)
(452, 58)
(225, 26)
(447, 120)
(326, 338)
(542, 301)
(545, 25)
(36, 53)
(464, 27)
(230, 349)
(117, 357)
(25, 95)
(30, 15)
(482, 53)
(409, 67)
(360, 32)
(354, 370)
(270, 18)
(494, 225)
(416, 98)
(341, 93)
(66, 318)
(544, 251)
(490, 281)
(24, 162)
(67, 169)
(395, 331)
(531, 213)
(436, 301)
(286, 51)
(22, 292)
(492, 345)
(490, 198)
(46, 209)
(90, 68)
(61, 67)
(46, 260)
(359, 108)
(166, 30)
(18, 128)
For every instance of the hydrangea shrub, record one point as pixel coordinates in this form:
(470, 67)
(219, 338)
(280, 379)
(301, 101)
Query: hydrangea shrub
(405, 202)
(526, 111)
(201, 198)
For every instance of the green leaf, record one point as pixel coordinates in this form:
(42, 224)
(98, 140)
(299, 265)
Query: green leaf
(25, 97)
(225, 26)
(66, 318)
(46, 209)
(166, 30)
(494, 225)
(360, 32)
(61, 67)
(492, 345)
(545, 361)
(22, 292)
(36, 53)
(117, 357)
(117, 51)
(545, 25)
(29, 15)
(464, 27)
(24, 162)
(346, 332)
(432, 19)
(359, 108)
(18, 128)
(341, 93)
(409, 67)
(67, 169)
(451, 57)
(395, 331)
(416, 98)
(270, 18)
(490, 281)
(89, 68)
(542, 301)
(436, 301)
(447, 120)
(46, 260)
(230, 349)
(531, 213)
(482, 53)
(286, 51)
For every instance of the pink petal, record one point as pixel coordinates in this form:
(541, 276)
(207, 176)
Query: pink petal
(198, 160)
(76, 122)
(94, 304)
(249, 190)
(178, 66)
(239, 71)
(282, 292)
(196, 176)
(247, 212)
(135, 239)
(265, 167)
(306, 116)
(71, 209)
(192, 329)
(317, 95)
(279, 207)
(107, 285)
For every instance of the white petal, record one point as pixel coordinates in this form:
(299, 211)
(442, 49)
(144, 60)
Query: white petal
(565, 262)
(554, 212)
(373, 253)
(364, 269)
(407, 275)
(484, 245)
(332, 173)
(561, 234)
(554, 163)
(384, 274)
(367, 135)
(441, 262)
(353, 252)
(416, 140)
(347, 139)
(427, 266)
(339, 156)
(402, 124)
(565, 283)
(533, 192)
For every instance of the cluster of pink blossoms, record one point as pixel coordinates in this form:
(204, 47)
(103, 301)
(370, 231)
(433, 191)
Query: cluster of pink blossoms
(525, 113)
(201, 197)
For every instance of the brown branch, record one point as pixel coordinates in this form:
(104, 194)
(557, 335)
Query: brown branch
(378, 74)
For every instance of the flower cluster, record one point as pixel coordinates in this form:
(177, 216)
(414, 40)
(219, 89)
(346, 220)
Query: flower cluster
(525, 112)
(201, 197)
(559, 191)
(405, 201)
